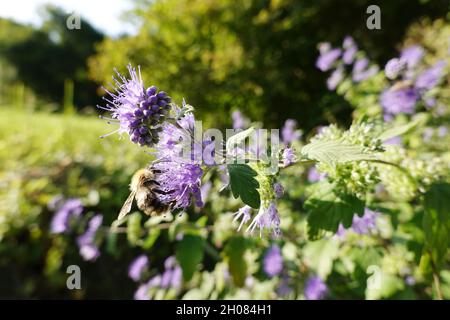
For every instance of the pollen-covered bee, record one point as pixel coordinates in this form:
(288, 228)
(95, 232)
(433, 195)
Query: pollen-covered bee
(145, 189)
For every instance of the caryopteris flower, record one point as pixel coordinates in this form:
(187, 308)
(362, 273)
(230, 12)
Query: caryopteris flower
(315, 288)
(86, 242)
(429, 78)
(178, 166)
(244, 214)
(335, 78)
(288, 157)
(362, 225)
(137, 267)
(412, 55)
(139, 111)
(239, 121)
(273, 261)
(400, 100)
(289, 132)
(71, 209)
(394, 67)
(327, 59)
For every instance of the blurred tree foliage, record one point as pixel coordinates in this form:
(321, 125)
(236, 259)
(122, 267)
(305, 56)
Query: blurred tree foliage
(258, 56)
(44, 58)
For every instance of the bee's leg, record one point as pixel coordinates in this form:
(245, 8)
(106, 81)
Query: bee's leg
(159, 191)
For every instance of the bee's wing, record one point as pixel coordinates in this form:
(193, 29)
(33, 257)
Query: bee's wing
(126, 206)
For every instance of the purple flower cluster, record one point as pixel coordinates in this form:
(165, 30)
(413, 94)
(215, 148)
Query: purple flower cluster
(239, 121)
(273, 261)
(289, 132)
(338, 59)
(314, 175)
(171, 278)
(180, 182)
(179, 164)
(361, 225)
(315, 288)
(288, 157)
(139, 111)
(399, 100)
(67, 211)
(411, 85)
(137, 267)
(86, 242)
(266, 218)
(327, 58)
(362, 71)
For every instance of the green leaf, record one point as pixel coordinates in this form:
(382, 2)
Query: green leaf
(327, 209)
(319, 255)
(399, 130)
(189, 253)
(436, 222)
(234, 252)
(153, 235)
(243, 184)
(238, 138)
(333, 152)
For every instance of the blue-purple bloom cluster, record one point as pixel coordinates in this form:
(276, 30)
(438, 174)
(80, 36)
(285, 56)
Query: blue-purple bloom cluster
(273, 261)
(315, 288)
(179, 164)
(171, 279)
(338, 59)
(314, 175)
(239, 121)
(137, 267)
(289, 132)
(139, 111)
(67, 211)
(411, 83)
(361, 225)
(87, 242)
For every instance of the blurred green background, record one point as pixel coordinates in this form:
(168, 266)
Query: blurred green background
(220, 55)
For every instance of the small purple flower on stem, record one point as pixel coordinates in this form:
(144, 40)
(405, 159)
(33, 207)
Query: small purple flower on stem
(402, 100)
(288, 157)
(267, 218)
(315, 289)
(335, 78)
(327, 59)
(273, 261)
(60, 223)
(394, 67)
(181, 182)
(243, 213)
(278, 190)
(350, 50)
(430, 78)
(137, 267)
(239, 121)
(138, 111)
(361, 225)
(366, 223)
(86, 242)
(289, 132)
(412, 55)
(314, 175)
